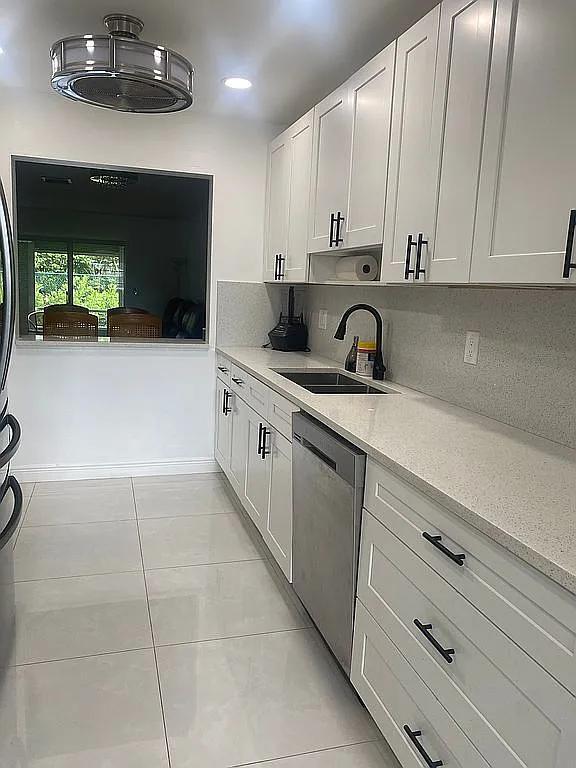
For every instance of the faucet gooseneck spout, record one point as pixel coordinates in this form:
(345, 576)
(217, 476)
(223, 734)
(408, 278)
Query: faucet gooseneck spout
(379, 367)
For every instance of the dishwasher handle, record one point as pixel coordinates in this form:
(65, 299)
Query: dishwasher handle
(316, 451)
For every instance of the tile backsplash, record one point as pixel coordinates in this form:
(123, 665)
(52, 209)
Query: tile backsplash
(526, 371)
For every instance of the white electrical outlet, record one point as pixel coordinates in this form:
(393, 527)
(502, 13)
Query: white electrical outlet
(471, 348)
(323, 319)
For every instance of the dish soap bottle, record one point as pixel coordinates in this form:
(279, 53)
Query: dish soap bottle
(350, 364)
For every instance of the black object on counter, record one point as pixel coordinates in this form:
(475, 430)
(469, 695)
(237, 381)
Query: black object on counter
(291, 333)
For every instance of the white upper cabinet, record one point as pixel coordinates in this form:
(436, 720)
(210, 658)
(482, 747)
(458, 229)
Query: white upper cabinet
(462, 75)
(370, 103)
(409, 221)
(288, 203)
(527, 184)
(330, 164)
(350, 160)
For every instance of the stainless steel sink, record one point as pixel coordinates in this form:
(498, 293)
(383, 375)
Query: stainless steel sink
(330, 382)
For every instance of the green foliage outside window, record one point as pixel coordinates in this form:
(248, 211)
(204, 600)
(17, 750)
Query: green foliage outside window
(97, 280)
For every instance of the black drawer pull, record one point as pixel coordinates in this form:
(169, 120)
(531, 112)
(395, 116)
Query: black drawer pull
(436, 541)
(414, 736)
(265, 449)
(569, 265)
(426, 630)
(240, 382)
(411, 244)
(418, 270)
(222, 369)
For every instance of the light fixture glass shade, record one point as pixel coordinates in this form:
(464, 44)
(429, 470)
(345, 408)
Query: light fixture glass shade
(122, 73)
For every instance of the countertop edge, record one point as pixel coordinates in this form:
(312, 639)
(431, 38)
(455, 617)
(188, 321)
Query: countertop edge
(563, 578)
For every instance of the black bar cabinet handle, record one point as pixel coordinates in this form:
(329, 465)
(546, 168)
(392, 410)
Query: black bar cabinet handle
(569, 265)
(12, 447)
(222, 369)
(418, 270)
(226, 407)
(260, 428)
(426, 630)
(414, 736)
(436, 541)
(332, 225)
(281, 260)
(339, 222)
(265, 434)
(407, 271)
(240, 382)
(276, 267)
(13, 485)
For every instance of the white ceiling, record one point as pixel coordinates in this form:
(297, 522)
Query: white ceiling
(295, 51)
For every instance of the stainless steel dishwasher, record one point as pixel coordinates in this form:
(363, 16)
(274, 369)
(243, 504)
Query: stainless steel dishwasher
(328, 486)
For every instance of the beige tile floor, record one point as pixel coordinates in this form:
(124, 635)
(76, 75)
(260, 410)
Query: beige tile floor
(152, 632)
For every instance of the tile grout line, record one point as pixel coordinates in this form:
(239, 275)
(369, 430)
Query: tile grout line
(131, 519)
(151, 629)
(77, 658)
(234, 637)
(303, 754)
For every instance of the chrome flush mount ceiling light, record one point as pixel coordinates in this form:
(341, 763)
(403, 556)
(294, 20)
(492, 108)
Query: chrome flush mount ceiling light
(119, 71)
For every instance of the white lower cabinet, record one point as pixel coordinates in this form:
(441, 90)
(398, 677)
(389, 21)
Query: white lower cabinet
(257, 471)
(471, 627)
(238, 445)
(254, 451)
(278, 533)
(223, 425)
(413, 721)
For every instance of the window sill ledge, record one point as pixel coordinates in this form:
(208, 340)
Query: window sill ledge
(107, 343)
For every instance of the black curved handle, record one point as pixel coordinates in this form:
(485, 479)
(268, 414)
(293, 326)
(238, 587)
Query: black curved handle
(418, 269)
(414, 736)
(426, 630)
(13, 485)
(436, 541)
(409, 246)
(12, 447)
(569, 265)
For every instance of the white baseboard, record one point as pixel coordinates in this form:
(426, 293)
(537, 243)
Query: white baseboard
(46, 473)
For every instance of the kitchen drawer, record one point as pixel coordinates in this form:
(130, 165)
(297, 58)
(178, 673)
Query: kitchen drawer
(398, 699)
(250, 390)
(514, 712)
(223, 368)
(280, 413)
(533, 611)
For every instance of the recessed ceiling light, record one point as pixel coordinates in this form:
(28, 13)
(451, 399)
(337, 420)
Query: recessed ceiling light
(238, 83)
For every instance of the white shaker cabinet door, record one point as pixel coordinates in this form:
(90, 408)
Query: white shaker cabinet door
(223, 425)
(257, 471)
(278, 534)
(239, 445)
(300, 164)
(527, 184)
(330, 169)
(370, 94)
(462, 76)
(410, 195)
(277, 206)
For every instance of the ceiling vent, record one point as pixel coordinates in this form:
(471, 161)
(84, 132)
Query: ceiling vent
(119, 71)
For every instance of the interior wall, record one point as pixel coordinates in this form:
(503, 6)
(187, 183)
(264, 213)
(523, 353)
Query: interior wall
(165, 399)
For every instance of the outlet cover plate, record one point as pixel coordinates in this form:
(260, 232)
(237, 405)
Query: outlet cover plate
(471, 347)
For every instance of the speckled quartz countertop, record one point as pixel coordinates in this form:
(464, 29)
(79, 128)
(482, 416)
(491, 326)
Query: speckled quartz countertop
(517, 488)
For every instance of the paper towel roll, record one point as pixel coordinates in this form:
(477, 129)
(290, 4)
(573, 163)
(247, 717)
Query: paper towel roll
(363, 267)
